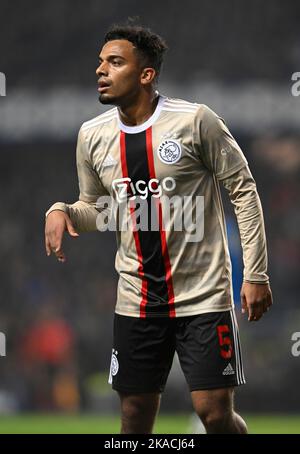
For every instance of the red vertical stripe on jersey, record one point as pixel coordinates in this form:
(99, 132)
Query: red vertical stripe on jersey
(165, 252)
(135, 233)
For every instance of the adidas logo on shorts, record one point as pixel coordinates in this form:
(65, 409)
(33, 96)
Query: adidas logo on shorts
(228, 370)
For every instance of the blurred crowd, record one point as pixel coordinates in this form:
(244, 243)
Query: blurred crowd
(58, 318)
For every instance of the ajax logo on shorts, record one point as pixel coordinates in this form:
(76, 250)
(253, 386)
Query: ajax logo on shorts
(114, 363)
(114, 366)
(169, 151)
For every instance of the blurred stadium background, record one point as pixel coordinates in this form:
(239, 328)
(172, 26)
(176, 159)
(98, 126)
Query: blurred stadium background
(236, 56)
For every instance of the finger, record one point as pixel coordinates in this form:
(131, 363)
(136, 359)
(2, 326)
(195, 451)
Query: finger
(48, 247)
(56, 247)
(56, 244)
(256, 311)
(62, 258)
(266, 305)
(244, 304)
(269, 299)
(60, 255)
(254, 317)
(71, 229)
(250, 312)
(257, 317)
(53, 241)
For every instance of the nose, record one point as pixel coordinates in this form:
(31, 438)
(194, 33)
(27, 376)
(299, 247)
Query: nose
(101, 70)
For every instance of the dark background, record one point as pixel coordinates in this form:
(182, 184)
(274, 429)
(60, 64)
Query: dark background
(236, 56)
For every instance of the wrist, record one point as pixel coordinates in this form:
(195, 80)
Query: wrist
(58, 206)
(248, 281)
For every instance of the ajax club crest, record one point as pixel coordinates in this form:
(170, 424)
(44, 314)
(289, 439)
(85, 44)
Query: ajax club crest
(169, 151)
(114, 366)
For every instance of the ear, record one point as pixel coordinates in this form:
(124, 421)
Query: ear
(148, 76)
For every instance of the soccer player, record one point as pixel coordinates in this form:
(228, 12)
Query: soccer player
(164, 158)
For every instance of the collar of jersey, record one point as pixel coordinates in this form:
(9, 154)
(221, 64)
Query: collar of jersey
(151, 120)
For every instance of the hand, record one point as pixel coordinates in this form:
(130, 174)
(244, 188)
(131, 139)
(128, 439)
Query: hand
(256, 300)
(57, 222)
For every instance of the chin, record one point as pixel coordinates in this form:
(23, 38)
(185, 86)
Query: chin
(106, 99)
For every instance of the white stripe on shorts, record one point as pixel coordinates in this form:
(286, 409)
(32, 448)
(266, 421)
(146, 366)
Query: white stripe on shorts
(237, 348)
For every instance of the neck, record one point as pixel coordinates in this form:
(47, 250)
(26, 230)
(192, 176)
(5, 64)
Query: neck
(140, 110)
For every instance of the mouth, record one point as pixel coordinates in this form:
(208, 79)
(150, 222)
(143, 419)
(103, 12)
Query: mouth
(102, 86)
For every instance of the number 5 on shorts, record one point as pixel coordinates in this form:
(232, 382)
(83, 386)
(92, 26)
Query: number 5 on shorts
(224, 341)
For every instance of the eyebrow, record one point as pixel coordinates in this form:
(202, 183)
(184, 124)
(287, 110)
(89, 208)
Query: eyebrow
(111, 57)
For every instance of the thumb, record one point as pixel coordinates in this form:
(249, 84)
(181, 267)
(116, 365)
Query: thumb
(70, 228)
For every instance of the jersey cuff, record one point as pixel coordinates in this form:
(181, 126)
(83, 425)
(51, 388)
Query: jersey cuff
(58, 206)
(254, 281)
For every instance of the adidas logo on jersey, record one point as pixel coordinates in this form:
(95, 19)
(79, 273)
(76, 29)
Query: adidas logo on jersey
(228, 370)
(170, 135)
(109, 161)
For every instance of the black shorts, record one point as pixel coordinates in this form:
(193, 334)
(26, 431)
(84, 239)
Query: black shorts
(207, 345)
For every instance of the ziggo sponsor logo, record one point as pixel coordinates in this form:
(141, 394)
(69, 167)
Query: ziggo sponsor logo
(136, 207)
(125, 188)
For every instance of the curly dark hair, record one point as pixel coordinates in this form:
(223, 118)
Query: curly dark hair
(150, 46)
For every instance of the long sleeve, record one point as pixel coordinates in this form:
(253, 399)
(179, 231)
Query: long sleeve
(219, 151)
(243, 195)
(225, 160)
(84, 213)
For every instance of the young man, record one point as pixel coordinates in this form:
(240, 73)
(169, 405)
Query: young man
(174, 291)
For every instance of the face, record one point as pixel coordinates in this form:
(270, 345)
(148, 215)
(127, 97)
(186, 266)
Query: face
(118, 72)
(120, 75)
